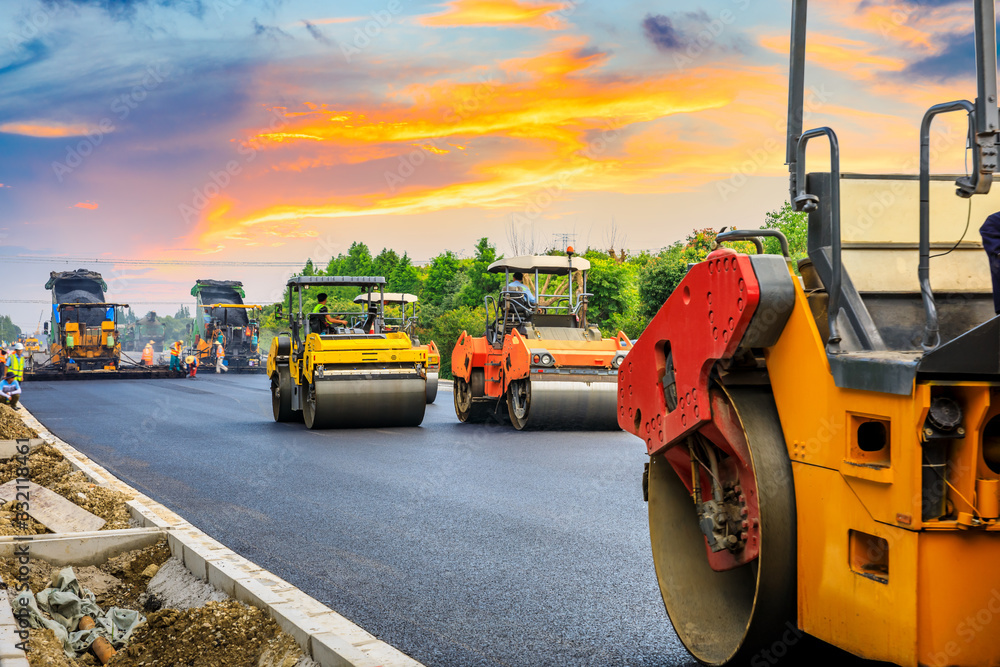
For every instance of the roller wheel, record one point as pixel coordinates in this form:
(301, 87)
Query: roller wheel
(467, 410)
(519, 403)
(432, 387)
(281, 396)
(312, 407)
(727, 617)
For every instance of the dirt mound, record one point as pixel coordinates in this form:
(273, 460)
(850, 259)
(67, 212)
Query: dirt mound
(220, 634)
(129, 568)
(48, 468)
(11, 426)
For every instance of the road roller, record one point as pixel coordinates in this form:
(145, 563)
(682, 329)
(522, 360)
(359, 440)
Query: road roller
(407, 322)
(541, 364)
(345, 369)
(824, 448)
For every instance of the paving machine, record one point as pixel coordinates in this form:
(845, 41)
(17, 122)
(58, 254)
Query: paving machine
(352, 375)
(407, 323)
(220, 310)
(541, 365)
(825, 452)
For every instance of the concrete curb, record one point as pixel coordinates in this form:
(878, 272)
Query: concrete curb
(323, 634)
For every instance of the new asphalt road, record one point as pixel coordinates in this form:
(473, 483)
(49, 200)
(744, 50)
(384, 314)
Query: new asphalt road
(461, 545)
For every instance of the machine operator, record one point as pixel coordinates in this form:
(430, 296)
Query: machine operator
(517, 285)
(322, 308)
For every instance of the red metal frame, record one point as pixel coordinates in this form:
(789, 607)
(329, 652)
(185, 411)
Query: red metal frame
(701, 323)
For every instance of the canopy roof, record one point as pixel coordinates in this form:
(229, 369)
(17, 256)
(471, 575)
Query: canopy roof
(541, 263)
(388, 297)
(336, 281)
(79, 274)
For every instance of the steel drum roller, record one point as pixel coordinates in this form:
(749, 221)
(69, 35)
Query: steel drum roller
(432, 386)
(360, 402)
(586, 403)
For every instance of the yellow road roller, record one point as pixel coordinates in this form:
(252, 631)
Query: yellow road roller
(344, 369)
(825, 447)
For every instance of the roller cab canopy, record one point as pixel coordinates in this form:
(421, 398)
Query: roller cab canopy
(218, 285)
(539, 263)
(336, 281)
(388, 297)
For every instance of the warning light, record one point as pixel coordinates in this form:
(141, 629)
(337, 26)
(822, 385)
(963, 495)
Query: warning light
(569, 250)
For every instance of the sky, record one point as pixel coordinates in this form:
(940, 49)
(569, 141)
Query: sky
(272, 131)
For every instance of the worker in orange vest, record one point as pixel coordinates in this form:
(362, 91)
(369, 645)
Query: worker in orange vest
(175, 356)
(220, 356)
(3, 362)
(147, 354)
(191, 363)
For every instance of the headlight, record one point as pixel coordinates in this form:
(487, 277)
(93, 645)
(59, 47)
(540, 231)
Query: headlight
(546, 359)
(617, 362)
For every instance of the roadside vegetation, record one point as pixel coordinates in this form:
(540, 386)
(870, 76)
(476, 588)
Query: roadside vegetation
(628, 289)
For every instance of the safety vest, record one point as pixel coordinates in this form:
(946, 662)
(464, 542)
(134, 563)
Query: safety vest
(3, 357)
(220, 353)
(147, 354)
(16, 366)
(175, 350)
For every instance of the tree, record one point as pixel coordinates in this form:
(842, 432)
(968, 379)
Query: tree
(659, 277)
(614, 291)
(385, 263)
(8, 330)
(404, 277)
(182, 313)
(446, 327)
(479, 282)
(795, 227)
(440, 278)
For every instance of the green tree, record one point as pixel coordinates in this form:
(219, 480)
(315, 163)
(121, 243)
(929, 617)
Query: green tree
(8, 330)
(659, 277)
(182, 312)
(446, 327)
(795, 227)
(479, 282)
(441, 278)
(404, 277)
(385, 263)
(614, 289)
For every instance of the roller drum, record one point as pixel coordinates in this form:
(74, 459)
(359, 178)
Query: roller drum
(569, 402)
(432, 386)
(360, 402)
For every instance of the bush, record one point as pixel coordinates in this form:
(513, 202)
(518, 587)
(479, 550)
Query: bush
(445, 329)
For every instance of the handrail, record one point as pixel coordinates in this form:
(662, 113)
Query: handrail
(749, 235)
(808, 203)
(932, 334)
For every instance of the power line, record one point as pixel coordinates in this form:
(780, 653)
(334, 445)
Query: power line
(148, 262)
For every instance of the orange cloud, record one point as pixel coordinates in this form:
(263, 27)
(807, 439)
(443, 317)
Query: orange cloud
(45, 129)
(850, 57)
(90, 205)
(498, 13)
(555, 123)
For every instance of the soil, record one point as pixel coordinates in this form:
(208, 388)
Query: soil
(223, 633)
(48, 468)
(11, 426)
(220, 634)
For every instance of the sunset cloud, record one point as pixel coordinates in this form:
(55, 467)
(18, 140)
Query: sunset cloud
(46, 129)
(498, 13)
(91, 205)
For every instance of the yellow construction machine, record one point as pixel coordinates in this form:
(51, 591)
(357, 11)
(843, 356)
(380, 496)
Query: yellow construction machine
(825, 451)
(407, 323)
(349, 373)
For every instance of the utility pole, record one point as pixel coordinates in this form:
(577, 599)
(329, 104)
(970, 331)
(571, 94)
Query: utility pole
(564, 239)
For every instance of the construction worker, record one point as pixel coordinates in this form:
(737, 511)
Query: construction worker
(322, 308)
(220, 356)
(191, 363)
(15, 362)
(990, 232)
(175, 356)
(147, 354)
(10, 390)
(3, 361)
(517, 285)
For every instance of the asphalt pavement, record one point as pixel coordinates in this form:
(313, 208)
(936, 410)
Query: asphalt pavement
(462, 545)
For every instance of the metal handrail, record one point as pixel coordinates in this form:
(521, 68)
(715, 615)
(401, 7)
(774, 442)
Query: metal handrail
(808, 203)
(932, 334)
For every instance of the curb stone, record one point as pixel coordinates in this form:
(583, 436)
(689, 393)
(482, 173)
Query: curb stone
(327, 637)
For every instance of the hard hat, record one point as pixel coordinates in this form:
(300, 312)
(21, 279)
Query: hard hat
(150, 342)
(18, 346)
